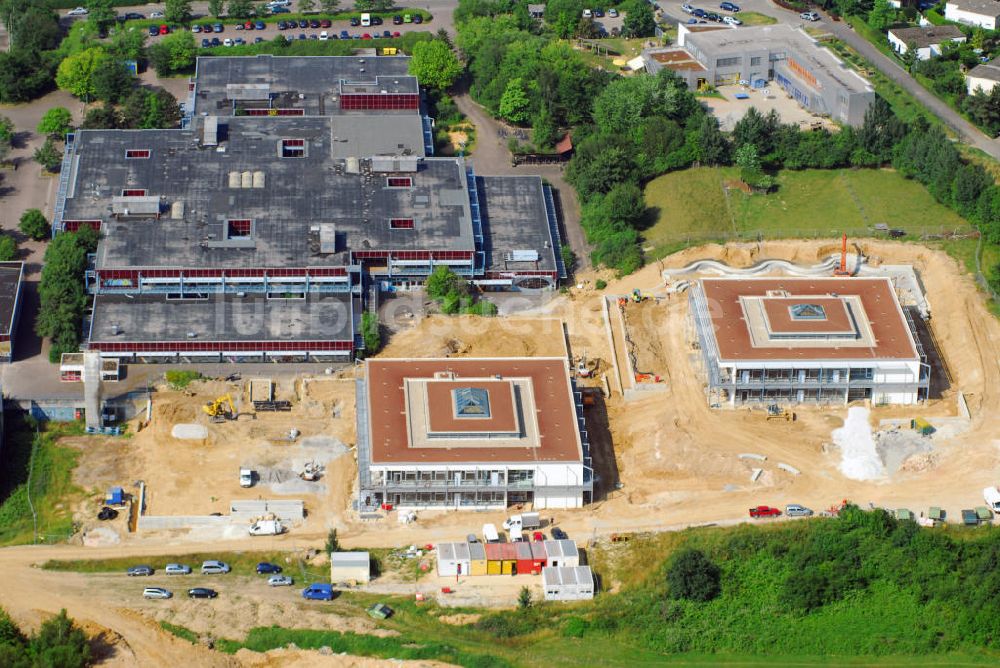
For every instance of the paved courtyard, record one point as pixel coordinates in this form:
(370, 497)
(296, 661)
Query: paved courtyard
(730, 110)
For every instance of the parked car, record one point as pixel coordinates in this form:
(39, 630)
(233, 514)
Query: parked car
(613, 13)
(537, 536)
(598, 13)
(386, 34)
(177, 569)
(302, 35)
(764, 511)
(202, 592)
(729, 7)
(227, 42)
(379, 611)
(281, 26)
(217, 27)
(207, 28)
(154, 31)
(164, 29)
(205, 43)
(259, 25)
(280, 581)
(732, 20)
(107, 513)
(239, 26)
(248, 25)
(471, 538)
(325, 23)
(345, 35)
(156, 15)
(280, 10)
(407, 18)
(156, 592)
(396, 34)
(809, 16)
(314, 23)
(355, 21)
(314, 36)
(139, 571)
(324, 35)
(418, 19)
(687, 9)
(712, 16)
(376, 20)
(366, 36)
(397, 20)
(587, 14)
(303, 23)
(213, 567)
(77, 11)
(558, 534)
(795, 510)
(196, 28)
(318, 592)
(216, 41)
(265, 567)
(133, 16)
(258, 40)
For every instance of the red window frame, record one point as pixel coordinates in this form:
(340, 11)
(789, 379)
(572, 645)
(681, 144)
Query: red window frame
(239, 228)
(401, 224)
(293, 148)
(137, 153)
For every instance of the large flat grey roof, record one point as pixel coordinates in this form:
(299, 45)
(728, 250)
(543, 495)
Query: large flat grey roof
(148, 318)
(513, 212)
(298, 194)
(311, 83)
(10, 283)
(779, 39)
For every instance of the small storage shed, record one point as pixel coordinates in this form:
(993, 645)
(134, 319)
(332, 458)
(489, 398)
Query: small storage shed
(477, 559)
(569, 583)
(501, 558)
(562, 553)
(350, 567)
(453, 559)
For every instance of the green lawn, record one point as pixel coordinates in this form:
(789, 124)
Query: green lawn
(692, 205)
(756, 19)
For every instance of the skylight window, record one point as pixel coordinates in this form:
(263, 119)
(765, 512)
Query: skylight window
(137, 153)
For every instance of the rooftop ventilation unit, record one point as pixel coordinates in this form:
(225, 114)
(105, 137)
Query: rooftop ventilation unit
(210, 131)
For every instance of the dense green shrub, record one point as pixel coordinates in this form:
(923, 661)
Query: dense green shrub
(692, 576)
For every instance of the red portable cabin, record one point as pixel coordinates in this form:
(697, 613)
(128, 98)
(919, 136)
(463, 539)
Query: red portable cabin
(539, 557)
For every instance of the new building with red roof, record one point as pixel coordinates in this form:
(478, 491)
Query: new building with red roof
(807, 339)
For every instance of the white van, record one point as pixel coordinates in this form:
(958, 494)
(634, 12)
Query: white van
(366, 20)
(991, 495)
(490, 534)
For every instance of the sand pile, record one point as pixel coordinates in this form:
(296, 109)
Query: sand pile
(859, 459)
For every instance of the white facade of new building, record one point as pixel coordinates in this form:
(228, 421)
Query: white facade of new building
(982, 13)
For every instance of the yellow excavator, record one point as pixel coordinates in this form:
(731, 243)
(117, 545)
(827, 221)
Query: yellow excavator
(221, 409)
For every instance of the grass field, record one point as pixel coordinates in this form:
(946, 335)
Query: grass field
(51, 490)
(693, 204)
(756, 19)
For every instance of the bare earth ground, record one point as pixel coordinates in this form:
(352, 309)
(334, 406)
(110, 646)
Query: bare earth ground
(676, 460)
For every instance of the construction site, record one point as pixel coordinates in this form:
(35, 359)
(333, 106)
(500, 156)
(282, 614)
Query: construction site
(664, 455)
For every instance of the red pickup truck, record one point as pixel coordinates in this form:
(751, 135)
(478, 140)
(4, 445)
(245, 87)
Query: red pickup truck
(764, 511)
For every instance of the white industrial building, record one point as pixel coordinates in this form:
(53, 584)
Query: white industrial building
(982, 13)
(807, 340)
(471, 434)
(568, 583)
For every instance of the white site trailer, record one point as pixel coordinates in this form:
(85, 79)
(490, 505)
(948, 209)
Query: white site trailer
(570, 583)
(453, 559)
(562, 553)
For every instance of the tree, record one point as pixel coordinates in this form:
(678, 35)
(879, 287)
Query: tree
(639, 20)
(8, 248)
(587, 28)
(751, 171)
(364, 5)
(692, 576)
(174, 53)
(76, 73)
(6, 130)
(35, 225)
(307, 6)
(56, 122)
(145, 109)
(383, 5)
(544, 131)
(62, 298)
(435, 64)
(177, 11)
(443, 282)
(48, 156)
(32, 28)
(514, 104)
(60, 642)
(882, 15)
(332, 542)
(524, 598)
(101, 13)
(239, 9)
(102, 117)
(216, 7)
(978, 41)
(127, 44)
(371, 333)
(329, 6)
(881, 130)
(113, 82)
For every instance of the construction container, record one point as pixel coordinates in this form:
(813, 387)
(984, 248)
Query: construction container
(477, 559)
(453, 559)
(493, 567)
(501, 558)
(538, 555)
(574, 583)
(923, 426)
(904, 514)
(562, 553)
(524, 563)
(350, 567)
(984, 514)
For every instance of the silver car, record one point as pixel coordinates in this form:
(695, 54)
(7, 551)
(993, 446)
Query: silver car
(280, 581)
(213, 567)
(795, 510)
(156, 592)
(177, 569)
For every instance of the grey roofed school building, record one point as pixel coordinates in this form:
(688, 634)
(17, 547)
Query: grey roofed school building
(11, 280)
(248, 236)
(811, 74)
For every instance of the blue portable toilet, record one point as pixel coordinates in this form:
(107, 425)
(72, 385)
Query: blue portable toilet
(116, 496)
(132, 66)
